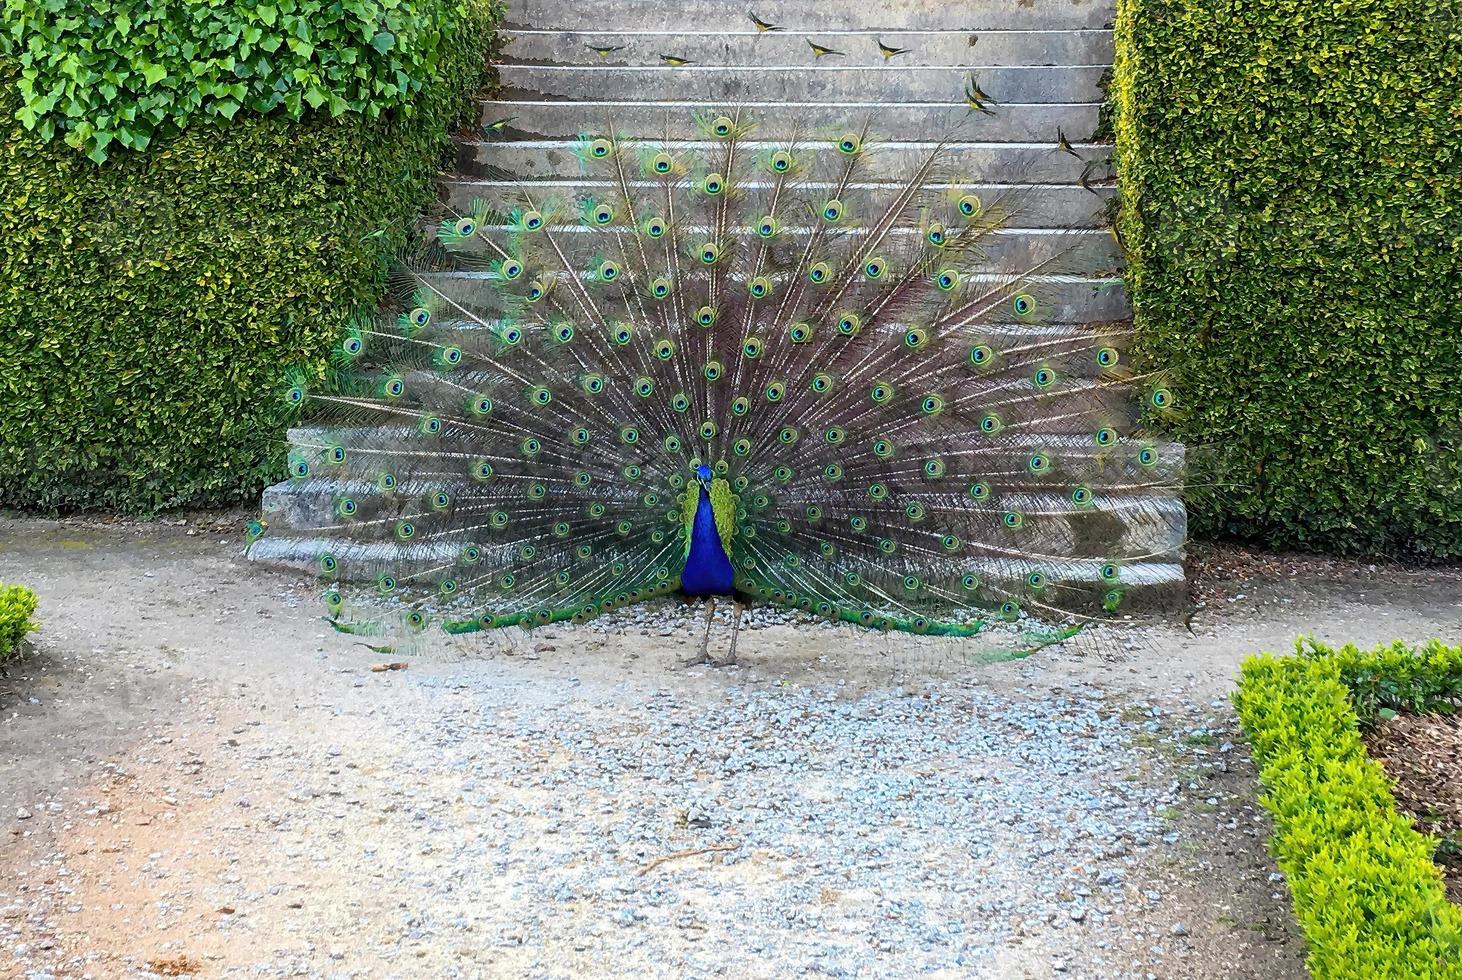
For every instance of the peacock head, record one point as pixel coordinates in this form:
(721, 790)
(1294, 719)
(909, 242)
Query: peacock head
(703, 473)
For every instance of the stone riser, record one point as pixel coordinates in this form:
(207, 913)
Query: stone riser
(1009, 250)
(1008, 163)
(794, 83)
(809, 16)
(924, 49)
(675, 118)
(1044, 207)
(1063, 299)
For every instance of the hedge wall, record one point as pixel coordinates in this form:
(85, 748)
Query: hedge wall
(1292, 208)
(1366, 891)
(150, 303)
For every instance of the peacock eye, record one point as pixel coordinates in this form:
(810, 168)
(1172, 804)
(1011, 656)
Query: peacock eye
(832, 210)
(602, 214)
(713, 184)
(465, 226)
(532, 220)
(947, 279)
(709, 253)
(799, 333)
(421, 316)
(874, 268)
(969, 205)
(760, 287)
(662, 163)
(781, 161)
(819, 272)
(1107, 357)
(1024, 304)
(655, 227)
(705, 316)
(1161, 398)
(600, 148)
(722, 126)
(849, 143)
(935, 236)
(848, 324)
(767, 227)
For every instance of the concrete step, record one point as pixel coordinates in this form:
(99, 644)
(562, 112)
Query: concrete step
(372, 449)
(1040, 206)
(801, 16)
(748, 47)
(802, 82)
(1012, 250)
(535, 117)
(1004, 163)
(308, 509)
(1153, 584)
(1064, 298)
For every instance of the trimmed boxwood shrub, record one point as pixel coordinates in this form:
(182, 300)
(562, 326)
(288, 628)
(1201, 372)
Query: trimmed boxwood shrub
(17, 605)
(1366, 892)
(1292, 210)
(150, 304)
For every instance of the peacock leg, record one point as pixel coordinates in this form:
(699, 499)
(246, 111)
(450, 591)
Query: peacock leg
(703, 657)
(730, 660)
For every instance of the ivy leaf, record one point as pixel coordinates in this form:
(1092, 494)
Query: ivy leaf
(383, 41)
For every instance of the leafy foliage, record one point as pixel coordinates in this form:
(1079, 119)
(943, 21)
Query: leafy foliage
(17, 605)
(1366, 893)
(1396, 678)
(151, 303)
(100, 72)
(1292, 209)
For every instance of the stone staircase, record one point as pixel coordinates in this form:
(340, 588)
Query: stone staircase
(1042, 61)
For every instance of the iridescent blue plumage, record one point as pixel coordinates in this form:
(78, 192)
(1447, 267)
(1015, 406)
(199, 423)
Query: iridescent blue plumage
(708, 571)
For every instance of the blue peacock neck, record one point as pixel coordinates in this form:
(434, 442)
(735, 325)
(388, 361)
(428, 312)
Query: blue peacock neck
(707, 570)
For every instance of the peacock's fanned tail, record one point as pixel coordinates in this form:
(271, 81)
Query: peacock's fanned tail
(901, 434)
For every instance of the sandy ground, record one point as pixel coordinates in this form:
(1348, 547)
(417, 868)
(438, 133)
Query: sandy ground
(197, 776)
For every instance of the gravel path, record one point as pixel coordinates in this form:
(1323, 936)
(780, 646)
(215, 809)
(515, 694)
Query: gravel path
(199, 778)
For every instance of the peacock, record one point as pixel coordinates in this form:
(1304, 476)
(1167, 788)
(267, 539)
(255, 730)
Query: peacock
(784, 367)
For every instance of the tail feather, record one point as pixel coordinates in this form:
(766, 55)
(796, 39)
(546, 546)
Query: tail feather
(907, 435)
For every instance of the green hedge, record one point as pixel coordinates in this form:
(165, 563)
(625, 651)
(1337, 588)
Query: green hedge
(17, 605)
(150, 303)
(1292, 208)
(1366, 892)
(99, 71)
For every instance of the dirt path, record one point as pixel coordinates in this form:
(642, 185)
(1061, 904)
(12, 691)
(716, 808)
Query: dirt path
(196, 775)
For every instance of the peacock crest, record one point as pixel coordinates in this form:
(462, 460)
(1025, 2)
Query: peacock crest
(828, 354)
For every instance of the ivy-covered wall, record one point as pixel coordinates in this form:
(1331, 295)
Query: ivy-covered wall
(1292, 208)
(149, 304)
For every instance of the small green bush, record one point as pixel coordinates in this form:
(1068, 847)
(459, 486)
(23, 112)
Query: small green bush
(1292, 211)
(99, 71)
(17, 605)
(1366, 892)
(149, 305)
